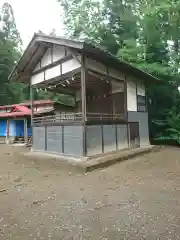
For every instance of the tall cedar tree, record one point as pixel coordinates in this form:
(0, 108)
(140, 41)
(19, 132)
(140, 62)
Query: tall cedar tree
(145, 33)
(10, 52)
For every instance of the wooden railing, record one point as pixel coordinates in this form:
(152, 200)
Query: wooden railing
(104, 116)
(63, 117)
(77, 117)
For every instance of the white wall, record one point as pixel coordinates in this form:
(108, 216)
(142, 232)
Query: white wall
(131, 96)
(47, 58)
(52, 55)
(58, 52)
(53, 72)
(38, 78)
(70, 65)
(141, 89)
(132, 85)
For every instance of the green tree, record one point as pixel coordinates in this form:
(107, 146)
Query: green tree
(145, 33)
(10, 52)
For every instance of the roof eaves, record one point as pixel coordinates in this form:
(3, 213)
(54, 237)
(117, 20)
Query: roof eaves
(48, 39)
(110, 57)
(78, 44)
(84, 46)
(21, 58)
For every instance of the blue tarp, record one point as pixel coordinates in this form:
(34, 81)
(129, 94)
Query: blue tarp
(2, 127)
(16, 128)
(19, 128)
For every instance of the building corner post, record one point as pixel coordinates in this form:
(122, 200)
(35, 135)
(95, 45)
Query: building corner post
(25, 131)
(126, 109)
(32, 104)
(83, 104)
(32, 110)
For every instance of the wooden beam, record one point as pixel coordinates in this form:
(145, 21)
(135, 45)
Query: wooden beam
(83, 104)
(105, 76)
(39, 51)
(57, 80)
(61, 91)
(83, 92)
(32, 104)
(126, 109)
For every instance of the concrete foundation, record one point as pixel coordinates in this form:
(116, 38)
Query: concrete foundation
(91, 163)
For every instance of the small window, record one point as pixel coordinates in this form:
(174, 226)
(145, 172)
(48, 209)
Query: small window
(141, 103)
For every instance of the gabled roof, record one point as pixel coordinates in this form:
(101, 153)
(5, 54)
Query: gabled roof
(22, 109)
(17, 111)
(28, 103)
(40, 42)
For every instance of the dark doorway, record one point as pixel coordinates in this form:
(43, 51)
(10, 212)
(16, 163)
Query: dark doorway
(134, 135)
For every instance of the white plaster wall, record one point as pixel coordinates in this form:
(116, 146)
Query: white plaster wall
(52, 72)
(141, 89)
(70, 65)
(46, 59)
(51, 55)
(37, 78)
(58, 52)
(131, 96)
(55, 71)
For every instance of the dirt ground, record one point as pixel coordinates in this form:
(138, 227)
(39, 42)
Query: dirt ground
(135, 199)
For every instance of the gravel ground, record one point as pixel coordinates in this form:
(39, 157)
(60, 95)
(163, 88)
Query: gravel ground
(135, 199)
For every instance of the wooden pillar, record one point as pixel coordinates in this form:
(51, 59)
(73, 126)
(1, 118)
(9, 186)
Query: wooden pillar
(25, 131)
(32, 111)
(32, 104)
(126, 109)
(83, 103)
